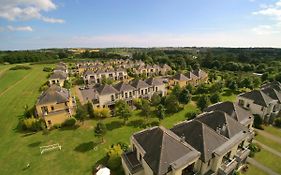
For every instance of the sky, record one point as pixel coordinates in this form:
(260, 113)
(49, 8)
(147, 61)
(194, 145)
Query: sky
(34, 24)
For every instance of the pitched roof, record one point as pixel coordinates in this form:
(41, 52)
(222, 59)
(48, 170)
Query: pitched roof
(180, 77)
(200, 136)
(233, 110)
(58, 75)
(154, 81)
(123, 87)
(275, 85)
(54, 94)
(259, 97)
(139, 84)
(106, 89)
(273, 93)
(164, 149)
(199, 73)
(190, 75)
(222, 123)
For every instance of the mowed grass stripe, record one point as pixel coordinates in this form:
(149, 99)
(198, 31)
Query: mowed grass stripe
(9, 78)
(12, 148)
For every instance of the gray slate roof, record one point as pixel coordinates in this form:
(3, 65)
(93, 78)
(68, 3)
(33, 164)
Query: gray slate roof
(180, 77)
(272, 93)
(233, 110)
(106, 89)
(139, 84)
(200, 136)
(123, 87)
(54, 94)
(154, 81)
(58, 75)
(275, 85)
(259, 97)
(199, 73)
(222, 123)
(164, 149)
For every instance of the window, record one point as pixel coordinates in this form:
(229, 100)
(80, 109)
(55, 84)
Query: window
(248, 105)
(65, 103)
(52, 108)
(156, 89)
(209, 162)
(262, 108)
(130, 94)
(145, 91)
(112, 97)
(141, 92)
(49, 122)
(126, 95)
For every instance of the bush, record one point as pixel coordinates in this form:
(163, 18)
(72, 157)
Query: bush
(215, 98)
(190, 115)
(258, 122)
(47, 69)
(31, 124)
(114, 159)
(254, 148)
(102, 112)
(69, 122)
(20, 67)
(277, 122)
(137, 103)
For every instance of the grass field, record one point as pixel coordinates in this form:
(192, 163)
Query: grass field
(269, 160)
(273, 130)
(269, 142)
(20, 88)
(253, 171)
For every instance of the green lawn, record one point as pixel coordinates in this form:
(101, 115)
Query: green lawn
(269, 160)
(269, 142)
(76, 157)
(273, 130)
(252, 170)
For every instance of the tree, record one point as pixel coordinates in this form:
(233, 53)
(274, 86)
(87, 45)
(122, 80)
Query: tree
(90, 109)
(203, 102)
(172, 104)
(155, 99)
(81, 113)
(67, 84)
(145, 108)
(102, 112)
(100, 130)
(123, 110)
(215, 98)
(190, 88)
(185, 96)
(161, 112)
(176, 90)
(258, 121)
(247, 83)
(232, 85)
(114, 156)
(277, 122)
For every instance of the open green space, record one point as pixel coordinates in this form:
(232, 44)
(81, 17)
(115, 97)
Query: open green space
(268, 142)
(252, 170)
(269, 160)
(273, 130)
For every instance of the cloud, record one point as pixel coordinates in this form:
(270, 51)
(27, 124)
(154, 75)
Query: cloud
(20, 28)
(23, 10)
(265, 30)
(2, 29)
(271, 10)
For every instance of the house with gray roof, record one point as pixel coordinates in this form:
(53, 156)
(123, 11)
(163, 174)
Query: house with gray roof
(257, 102)
(235, 111)
(212, 143)
(58, 77)
(55, 105)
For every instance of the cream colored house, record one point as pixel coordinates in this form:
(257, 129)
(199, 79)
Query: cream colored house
(58, 78)
(108, 95)
(55, 105)
(259, 103)
(213, 143)
(97, 76)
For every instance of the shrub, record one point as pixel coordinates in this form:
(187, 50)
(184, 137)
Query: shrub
(47, 69)
(137, 103)
(277, 122)
(258, 122)
(254, 148)
(114, 159)
(102, 112)
(215, 98)
(203, 102)
(190, 115)
(69, 122)
(20, 67)
(31, 124)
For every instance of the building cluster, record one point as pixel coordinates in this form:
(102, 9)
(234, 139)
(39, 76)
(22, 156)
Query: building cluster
(194, 77)
(56, 104)
(59, 75)
(107, 95)
(215, 142)
(96, 71)
(265, 102)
